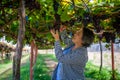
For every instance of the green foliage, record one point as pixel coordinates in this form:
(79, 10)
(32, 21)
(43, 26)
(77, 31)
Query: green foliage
(92, 71)
(64, 16)
(42, 15)
(14, 26)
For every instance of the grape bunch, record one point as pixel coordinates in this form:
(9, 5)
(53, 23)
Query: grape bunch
(79, 19)
(9, 4)
(87, 19)
(96, 23)
(104, 16)
(116, 24)
(109, 37)
(72, 22)
(55, 5)
(32, 4)
(49, 27)
(56, 25)
(66, 23)
(44, 14)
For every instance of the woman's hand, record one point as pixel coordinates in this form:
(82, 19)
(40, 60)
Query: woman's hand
(55, 34)
(62, 27)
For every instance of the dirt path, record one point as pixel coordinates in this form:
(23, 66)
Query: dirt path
(51, 64)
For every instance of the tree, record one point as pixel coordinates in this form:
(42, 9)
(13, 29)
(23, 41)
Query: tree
(21, 33)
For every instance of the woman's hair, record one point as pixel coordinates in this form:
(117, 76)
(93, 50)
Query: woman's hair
(88, 37)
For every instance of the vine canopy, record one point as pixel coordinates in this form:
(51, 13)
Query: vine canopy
(42, 15)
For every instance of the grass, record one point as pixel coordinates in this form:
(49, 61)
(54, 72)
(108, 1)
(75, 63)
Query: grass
(7, 75)
(5, 65)
(92, 71)
(41, 72)
(40, 69)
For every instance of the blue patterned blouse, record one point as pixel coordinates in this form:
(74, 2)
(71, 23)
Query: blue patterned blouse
(59, 69)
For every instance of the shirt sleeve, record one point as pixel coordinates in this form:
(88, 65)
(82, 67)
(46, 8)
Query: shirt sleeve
(65, 38)
(78, 57)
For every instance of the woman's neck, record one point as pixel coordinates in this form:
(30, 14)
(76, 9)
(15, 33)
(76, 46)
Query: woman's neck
(77, 46)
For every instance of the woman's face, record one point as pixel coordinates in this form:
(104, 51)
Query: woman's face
(77, 38)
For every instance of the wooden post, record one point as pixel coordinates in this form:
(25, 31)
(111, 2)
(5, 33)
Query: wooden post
(2, 56)
(31, 60)
(33, 57)
(112, 56)
(101, 56)
(36, 52)
(19, 46)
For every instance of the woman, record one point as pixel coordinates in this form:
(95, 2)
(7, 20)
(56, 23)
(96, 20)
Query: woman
(71, 60)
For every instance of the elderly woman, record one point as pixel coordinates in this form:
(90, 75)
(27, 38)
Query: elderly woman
(72, 60)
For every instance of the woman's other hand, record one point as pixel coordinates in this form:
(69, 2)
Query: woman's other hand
(55, 34)
(62, 28)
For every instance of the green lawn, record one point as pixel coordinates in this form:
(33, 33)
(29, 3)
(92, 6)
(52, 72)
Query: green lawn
(41, 72)
(8, 63)
(5, 64)
(40, 69)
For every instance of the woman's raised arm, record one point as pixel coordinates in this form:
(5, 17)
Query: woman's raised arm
(64, 37)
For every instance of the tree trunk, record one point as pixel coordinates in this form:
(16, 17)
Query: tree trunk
(21, 33)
